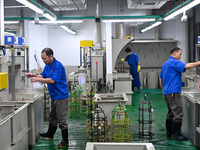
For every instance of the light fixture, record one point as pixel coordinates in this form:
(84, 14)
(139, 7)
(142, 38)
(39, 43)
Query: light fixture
(151, 26)
(31, 6)
(11, 22)
(181, 8)
(48, 16)
(130, 20)
(38, 8)
(59, 21)
(24, 2)
(67, 28)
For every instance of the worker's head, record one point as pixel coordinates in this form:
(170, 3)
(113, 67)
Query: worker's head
(176, 52)
(47, 55)
(128, 50)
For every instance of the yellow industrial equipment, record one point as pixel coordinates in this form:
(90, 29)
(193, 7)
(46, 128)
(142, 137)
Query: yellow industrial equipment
(86, 43)
(3, 80)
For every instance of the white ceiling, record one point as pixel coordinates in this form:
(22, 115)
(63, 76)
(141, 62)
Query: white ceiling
(65, 5)
(145, 4)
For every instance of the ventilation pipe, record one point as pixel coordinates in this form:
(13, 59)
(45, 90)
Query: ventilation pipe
(119, 30)
(97, 32)
(157, 33)
(97, 29)
(131, 32)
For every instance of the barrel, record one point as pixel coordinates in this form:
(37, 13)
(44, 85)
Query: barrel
(152, 80)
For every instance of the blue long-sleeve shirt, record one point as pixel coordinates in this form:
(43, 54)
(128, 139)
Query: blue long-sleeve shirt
(58, 90)
(171, 74)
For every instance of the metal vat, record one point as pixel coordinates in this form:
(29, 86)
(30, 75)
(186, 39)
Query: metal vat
(109, 100)
(14, 126)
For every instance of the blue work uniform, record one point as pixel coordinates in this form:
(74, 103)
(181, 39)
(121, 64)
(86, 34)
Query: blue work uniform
(171, 75)
(58, 90)
(133, 62)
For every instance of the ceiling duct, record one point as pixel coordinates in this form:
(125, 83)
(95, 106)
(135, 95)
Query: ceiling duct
(65, 5)
(145, 4)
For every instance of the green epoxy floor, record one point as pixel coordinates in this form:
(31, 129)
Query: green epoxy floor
(77, 127)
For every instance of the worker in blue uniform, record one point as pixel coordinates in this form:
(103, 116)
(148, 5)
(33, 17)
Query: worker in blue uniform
(171, 82)
(134, 62)
(55, 77)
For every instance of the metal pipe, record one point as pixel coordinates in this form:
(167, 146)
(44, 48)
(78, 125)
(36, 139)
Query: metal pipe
(97, 71)
(157, 33)
(27, 59)
(119, 31)
(13, 74)
(14, 6)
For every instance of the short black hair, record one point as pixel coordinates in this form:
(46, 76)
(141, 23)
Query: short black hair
(128, 49)
(174, 49)
(48, 51)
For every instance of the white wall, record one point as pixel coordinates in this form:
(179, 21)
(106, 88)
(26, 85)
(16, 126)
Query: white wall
(66, 46)
(180, 36)
(175, 29)
(37, 39)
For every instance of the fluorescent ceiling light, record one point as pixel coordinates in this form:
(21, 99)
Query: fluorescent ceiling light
(11, 22)
(182, 9)
(31, 6)
(151, 26)
(35, 8)
(130, 20)
(68, 29)
(38, 8)
(48, 16)
(24, 2)
(59, 21)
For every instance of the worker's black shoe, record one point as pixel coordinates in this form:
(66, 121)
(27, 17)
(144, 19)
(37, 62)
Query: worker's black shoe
(168, 127)
(138, 90)
(179, 137)
(50, 133)
(133, 89)
(64, 142)
(176, 132)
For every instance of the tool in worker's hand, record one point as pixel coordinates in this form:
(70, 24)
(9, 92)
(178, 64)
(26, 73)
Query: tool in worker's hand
(38, 64)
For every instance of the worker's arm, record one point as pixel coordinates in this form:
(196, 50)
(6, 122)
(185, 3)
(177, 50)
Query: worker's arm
(138, 63)
(161, 83)
(161, 86)
(192, 65)
(43, 80)
(30, 75)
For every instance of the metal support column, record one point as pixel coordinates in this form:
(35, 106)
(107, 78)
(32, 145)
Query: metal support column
(13, 73)
(1, 22)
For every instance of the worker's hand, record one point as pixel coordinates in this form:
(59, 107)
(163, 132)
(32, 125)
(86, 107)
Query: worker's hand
(138, 69)
(29, 75)
(34, 79)
(122, 60)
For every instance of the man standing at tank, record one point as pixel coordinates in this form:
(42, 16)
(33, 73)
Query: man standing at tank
(134, 62)
(171, 82)
(55, 77)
